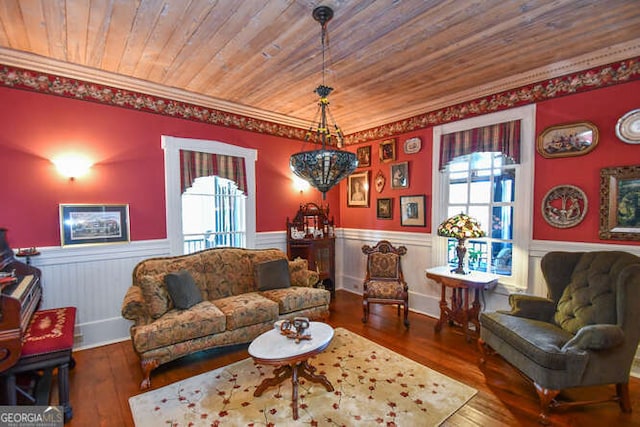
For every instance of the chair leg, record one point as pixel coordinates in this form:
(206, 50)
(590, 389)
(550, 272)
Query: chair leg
(546, 397)
(365, 311)
(406, 313)
(622, 390)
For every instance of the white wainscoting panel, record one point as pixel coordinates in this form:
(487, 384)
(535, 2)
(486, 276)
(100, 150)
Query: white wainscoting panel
(94, 279)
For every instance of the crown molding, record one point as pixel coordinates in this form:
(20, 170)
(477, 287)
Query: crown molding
(597, 58)
(364, 132)
(42, 64)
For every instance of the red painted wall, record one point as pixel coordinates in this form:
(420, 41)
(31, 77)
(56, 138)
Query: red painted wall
(420, 177)
(603, 108)
(129, 165)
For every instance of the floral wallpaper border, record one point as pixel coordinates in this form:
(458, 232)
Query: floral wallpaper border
(598, 77)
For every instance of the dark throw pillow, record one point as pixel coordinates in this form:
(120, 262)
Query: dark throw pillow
(272, 275)
(182, 289)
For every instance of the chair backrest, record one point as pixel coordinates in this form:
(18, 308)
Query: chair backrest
(383, 261)
(585, 286)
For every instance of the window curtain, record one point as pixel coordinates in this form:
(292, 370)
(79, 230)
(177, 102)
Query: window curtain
(194, 164)
(501, 137)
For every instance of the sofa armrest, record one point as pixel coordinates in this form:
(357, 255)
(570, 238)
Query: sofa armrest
(596, 337)
(301, 275)
(134, 307)
(531, 307)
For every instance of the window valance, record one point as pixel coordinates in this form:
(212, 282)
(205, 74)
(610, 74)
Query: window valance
(194, 164)
(501, 137)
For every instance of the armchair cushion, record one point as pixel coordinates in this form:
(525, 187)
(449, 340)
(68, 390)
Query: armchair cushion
(272, 274)
(531, 307)
(182, 289)
(596, 337)
(385, 289)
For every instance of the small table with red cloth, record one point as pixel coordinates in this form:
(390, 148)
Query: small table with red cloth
(47, 344)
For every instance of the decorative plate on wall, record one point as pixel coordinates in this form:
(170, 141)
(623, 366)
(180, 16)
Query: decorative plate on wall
(564, 206)
(628, 127)
(412, 145)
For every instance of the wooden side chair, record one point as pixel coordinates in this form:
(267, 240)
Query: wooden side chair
(46, 346)
(384, 282)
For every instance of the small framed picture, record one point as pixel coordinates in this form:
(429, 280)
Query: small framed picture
(400, 175)
(412, 211)
(358, 189)
(85, 224)
(364, 156)
(619, 203)
(388, 151)
(384, 208)
(572, 139)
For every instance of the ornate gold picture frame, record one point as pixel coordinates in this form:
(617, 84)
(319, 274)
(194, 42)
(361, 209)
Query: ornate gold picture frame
(358, 189)
(620, 203)
(388, 151)
(570, 139)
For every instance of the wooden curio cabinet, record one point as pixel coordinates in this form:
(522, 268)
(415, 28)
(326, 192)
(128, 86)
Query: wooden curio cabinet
(311, 235)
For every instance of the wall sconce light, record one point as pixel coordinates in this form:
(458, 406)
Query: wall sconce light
(72, 165)
(300, 184)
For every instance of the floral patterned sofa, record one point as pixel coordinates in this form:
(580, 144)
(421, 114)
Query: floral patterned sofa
(234, 308)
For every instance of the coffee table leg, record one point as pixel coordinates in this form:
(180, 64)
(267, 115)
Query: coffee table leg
(294, 391)
(308, 373)
(281, 373)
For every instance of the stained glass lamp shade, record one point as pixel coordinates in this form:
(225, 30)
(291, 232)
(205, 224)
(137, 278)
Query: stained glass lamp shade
(460, 227)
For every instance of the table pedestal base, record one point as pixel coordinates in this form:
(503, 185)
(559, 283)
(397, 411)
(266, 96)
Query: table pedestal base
(294, 370)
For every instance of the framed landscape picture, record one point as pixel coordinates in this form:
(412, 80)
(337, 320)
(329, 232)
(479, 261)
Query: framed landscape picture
(412, 211)
(620, 203)
(85, 224)
(358, 189)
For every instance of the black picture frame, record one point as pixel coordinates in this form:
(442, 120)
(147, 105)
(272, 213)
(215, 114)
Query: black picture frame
(364, 156)
(413, 211)
(82, 224)
(384, 208)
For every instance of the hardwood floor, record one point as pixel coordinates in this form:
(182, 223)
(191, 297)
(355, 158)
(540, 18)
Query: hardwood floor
(104, 378)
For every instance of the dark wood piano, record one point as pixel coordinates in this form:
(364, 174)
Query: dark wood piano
(20, 297)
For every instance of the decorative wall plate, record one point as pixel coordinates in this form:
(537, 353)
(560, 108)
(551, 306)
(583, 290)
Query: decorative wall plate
(628, 127)
(564, 206)
(412, 145)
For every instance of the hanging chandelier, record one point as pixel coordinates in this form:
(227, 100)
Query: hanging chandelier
(324, 168)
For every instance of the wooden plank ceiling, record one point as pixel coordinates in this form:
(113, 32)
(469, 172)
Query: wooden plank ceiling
(386, 59)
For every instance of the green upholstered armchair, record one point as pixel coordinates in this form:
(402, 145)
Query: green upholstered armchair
(585, 333)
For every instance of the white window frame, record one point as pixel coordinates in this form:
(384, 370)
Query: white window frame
(173, 195)
(523, 225)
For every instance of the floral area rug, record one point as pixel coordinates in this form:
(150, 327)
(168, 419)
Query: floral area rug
(373, 386)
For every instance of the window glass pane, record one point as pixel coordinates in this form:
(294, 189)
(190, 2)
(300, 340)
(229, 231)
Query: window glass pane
(502, 222)
(481, 213)
(501, 262)
(477, 254)
(481, 161)
(458, 193)
(480, 192)
(504, 185)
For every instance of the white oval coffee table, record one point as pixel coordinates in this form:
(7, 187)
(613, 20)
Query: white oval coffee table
(290, 358)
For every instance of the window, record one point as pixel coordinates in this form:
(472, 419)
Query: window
(492, 188)
(482, 185)
(213, 214)
(172, 147)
